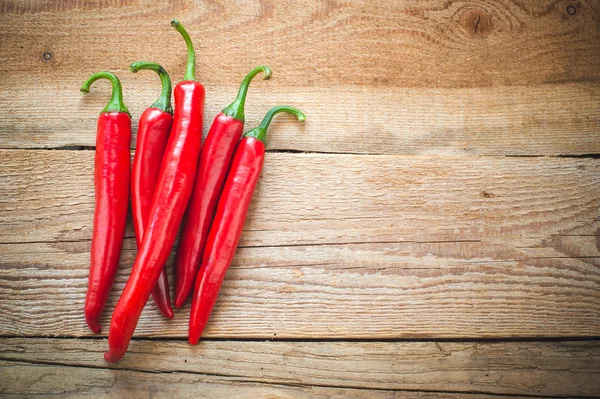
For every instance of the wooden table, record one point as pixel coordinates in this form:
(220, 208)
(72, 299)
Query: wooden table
(433, 230)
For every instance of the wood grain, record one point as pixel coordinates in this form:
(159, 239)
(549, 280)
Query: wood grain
(381, 247)
(559, 119)
(403, 77)
(432, 233)
(357, 291)
(47, 196)
(517, 368)
(406, 43)
(25, 380)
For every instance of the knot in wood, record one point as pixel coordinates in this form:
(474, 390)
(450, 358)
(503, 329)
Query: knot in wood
(477, 22)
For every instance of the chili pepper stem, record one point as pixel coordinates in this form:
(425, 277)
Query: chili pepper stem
(164, 101)
(191, 62)
(260, 132)
(236, 108)
(116, 103)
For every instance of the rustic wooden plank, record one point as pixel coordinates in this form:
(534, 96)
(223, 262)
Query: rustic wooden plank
(516, 368)
(76, 382)
(383, 43)
(549, 120)
(327, 199)
(26, 380)
(412, 290)
(393, 77)
(382, 246)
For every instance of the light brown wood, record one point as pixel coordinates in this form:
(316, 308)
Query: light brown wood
(517, 368)
(379, 43)
(331, 199)
(476, 121)
(415, 290)
(338, 246)
(392, 77)
(76, 382)
(460, 219)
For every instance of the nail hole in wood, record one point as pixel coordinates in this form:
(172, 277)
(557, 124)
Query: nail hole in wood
(571, 10)
(47, 56)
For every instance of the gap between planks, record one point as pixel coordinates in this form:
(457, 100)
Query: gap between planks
(371, 154)
(483, 340)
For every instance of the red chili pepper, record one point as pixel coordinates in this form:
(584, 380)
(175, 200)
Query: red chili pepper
(172, 193)
(153, 132)
(228, 223)
(215, 158)
(111, 188)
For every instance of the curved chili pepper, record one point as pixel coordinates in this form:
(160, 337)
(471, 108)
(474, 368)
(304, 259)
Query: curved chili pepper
(153, 132)
(111, 188)
(228, 223)
(171, 196)
(215, 158)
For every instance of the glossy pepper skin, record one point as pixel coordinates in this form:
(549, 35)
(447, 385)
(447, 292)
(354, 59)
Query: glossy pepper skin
(153, 132)
(171, 196)
(215, 158)
(229, 219)
(111, 188)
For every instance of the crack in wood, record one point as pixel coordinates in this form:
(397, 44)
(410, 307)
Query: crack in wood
(341, 153)
(489, 340)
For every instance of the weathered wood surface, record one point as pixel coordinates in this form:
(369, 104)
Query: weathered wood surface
(394, 77)
(338, 246)
(431, 233)
(26, 380)
(316, 199)
(528, 368)
(412, 290)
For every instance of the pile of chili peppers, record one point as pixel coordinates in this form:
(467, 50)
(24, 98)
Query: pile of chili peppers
(174, 180)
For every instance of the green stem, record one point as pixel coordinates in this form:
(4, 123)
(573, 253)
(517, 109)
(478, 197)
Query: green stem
(191, 63)
(260, 133)
(236, 108)
(164, 101)
(116, 101)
